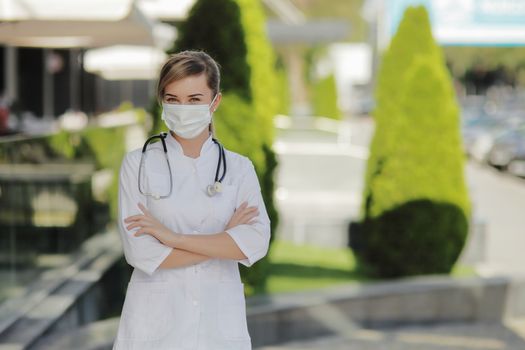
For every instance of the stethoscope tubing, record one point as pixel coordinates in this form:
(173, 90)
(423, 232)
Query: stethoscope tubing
(212, 189)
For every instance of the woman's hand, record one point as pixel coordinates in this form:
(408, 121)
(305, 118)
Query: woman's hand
(147, 224)
(242, 215)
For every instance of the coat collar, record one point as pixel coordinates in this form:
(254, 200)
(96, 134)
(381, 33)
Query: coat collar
(175, 145)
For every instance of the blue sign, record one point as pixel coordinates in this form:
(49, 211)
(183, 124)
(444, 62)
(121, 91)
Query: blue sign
(467, 22)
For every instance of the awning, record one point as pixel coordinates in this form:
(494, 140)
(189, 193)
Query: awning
(125, 62)
(171, 10)
(79, 23)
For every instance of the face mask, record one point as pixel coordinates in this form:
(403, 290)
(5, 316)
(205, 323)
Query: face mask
(187, 121)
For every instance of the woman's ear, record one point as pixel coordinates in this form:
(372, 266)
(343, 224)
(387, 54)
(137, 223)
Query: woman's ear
(217, 102)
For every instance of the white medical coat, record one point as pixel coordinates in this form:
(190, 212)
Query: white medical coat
(199, 307)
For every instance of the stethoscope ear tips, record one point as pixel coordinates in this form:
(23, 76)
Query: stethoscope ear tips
(214, 189)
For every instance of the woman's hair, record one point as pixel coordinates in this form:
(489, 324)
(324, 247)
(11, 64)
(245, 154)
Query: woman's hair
(185, 64)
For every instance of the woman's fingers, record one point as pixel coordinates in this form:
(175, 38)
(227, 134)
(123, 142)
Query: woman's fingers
(144, 209)
(133, 218)
(251, 213)
(251, 216)
(144, 221)
(242, 206)
(247, 209)
(248, 216)
(250, 210)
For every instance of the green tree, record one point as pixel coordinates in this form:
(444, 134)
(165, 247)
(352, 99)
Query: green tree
(416, 206)
(324, 98)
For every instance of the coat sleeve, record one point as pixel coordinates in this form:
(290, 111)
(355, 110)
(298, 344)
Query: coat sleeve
(144, 252)
(252, 239)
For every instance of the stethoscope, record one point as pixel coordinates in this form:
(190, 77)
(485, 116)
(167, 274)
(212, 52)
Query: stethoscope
(211, 189)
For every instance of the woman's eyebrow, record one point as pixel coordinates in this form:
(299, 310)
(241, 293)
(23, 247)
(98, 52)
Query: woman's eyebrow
(192, 95)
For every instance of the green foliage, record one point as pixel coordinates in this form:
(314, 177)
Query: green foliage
(125, 106)
(412, 39)
(63, 143)
(235, 126)
(416, 207)
(325, 98)
(233, 33)
(322, 90)
(155, 111)
(100, 140)
(261, 59)
(283, 91)
(268, 184)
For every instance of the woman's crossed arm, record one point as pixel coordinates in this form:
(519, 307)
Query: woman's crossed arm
(192, 249)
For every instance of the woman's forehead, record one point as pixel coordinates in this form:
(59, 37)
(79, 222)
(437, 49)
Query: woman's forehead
(188, 86)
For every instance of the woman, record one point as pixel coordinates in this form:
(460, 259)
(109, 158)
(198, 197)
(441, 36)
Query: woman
(185, 291)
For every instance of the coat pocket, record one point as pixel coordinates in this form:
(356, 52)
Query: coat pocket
(232, 322)
(146, 311)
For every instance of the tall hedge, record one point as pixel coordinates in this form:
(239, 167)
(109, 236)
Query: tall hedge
(416, 208)
(324, 97)
(233, 33)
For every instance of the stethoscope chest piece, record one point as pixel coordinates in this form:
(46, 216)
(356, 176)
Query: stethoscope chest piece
(214, 189)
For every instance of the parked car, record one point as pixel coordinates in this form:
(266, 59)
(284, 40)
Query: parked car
(508, 152)
(479, 134)
(485, 141)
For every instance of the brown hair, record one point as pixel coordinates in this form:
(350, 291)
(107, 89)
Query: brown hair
(185, 64)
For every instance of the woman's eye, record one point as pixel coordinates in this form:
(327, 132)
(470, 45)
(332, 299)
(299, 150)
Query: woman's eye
(194, 99)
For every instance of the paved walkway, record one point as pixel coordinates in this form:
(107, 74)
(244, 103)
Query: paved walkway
(430, 337)
(499, 202)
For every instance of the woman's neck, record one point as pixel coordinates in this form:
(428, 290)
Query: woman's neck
(192, 147)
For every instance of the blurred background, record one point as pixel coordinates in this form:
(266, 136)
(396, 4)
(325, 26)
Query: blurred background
(388, 137)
